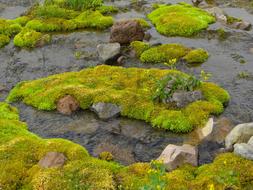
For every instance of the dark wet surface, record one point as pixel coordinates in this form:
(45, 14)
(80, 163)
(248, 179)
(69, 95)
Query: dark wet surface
(135, 140)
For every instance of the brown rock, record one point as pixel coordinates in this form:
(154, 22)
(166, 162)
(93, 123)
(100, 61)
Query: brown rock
(67, 105)
(52, 159)
(126, 31)
(174, 156)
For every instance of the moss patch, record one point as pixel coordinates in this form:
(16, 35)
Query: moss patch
(30, 38)
(133, 89)
(196, 56)
(139, 47)
(4, 40)
(180, 19)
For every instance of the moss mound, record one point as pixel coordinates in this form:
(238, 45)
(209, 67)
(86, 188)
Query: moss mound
(133, 89)
(180, 19)
(168, 53)
(4, 40)
(30, 38)
(20, 152)
(196, 56)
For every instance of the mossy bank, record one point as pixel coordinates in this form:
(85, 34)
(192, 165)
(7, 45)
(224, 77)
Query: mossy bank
(132, 89)
(20, 152)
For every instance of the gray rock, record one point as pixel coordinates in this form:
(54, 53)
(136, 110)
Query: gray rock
(108, 51)
(250, 142)
(174, 156)
(240, 134)
(218, 13)
(183, 98)
(244, 150)
(52, 159)
(106, 111)
(196, 2)
(242, 25)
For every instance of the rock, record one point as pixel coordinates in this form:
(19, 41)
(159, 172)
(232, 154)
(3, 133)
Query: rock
(242, 25)
(250, 142)
(126, 31)
(240, 134)
(109, 51)
(67, 105)
(147, 36)
(251, 50)
(183, 98)
(52, 159)
(106, 111)
(218, 13)
(207, 130)
(2, 88)
(174, 156)
(221, 129)
(196, 2)
(244, 150)
(121, 60)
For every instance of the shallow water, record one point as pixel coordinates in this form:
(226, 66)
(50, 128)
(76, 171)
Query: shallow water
(135, 140)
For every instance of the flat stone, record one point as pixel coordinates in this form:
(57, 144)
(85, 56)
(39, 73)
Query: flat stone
(183, 98)
(240, 134)
(244, 150)
(52, 159)
(174, 156)
(207, 130)
(106, 111)
(108, 51)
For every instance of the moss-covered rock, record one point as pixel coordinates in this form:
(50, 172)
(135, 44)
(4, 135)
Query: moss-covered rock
(164, 53)
(4, 40)
(139, 47)
(133, 89)
(30, 38)
(196, 56)
(180, 19)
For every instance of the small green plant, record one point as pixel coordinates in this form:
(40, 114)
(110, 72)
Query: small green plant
(170, 84)
(205, 76)
(243, 75)
(156, 176)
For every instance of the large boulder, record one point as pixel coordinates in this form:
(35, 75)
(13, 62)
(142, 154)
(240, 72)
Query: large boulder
(244, 150)
(108, 52)
(126, 31)
(106, 111)
(52, 159)
(67, 105)
(174, 156)
(240, 134)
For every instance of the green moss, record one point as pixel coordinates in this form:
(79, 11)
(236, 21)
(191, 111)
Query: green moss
(21, 20)
(133, 89)
(8, 28)
(107, 9)
(143, 22)
(76, 4)
(30, 38)
(196, 56)
(231, 20)
(106, 156)
(139, 47)
(180, 19)
(164, 53)
(8, 112)
(54, 11)
(4, 40)
(93, 19)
